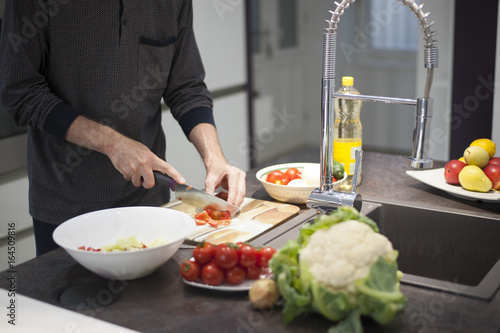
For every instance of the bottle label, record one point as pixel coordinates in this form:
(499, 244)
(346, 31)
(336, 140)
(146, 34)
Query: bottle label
(345, 153)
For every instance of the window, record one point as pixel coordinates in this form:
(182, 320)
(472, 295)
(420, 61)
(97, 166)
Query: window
(287, 20)
(255, 25)
(274, 25)
(391, 26)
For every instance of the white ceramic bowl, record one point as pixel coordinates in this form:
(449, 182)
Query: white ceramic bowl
(286, 193)
(104, 227)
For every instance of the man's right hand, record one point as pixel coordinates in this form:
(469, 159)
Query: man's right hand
(131, 158)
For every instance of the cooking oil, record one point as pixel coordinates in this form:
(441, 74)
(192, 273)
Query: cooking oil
(347, 130)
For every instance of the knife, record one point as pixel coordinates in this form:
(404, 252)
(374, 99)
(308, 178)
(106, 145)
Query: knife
(195, 197)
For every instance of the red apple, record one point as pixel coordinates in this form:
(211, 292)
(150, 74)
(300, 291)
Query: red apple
(451, 171)
(492, 171)
(494, 160)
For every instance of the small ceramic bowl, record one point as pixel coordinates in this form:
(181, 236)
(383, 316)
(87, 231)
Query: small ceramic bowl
(291, 194)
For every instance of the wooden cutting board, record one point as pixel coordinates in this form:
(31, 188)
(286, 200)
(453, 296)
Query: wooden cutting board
(256, 217)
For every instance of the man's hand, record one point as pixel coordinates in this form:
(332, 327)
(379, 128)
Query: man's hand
(219, 172)
(228, 177)
(131, 158)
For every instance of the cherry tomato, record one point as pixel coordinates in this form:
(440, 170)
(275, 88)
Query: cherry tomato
(277, 177)
(226, 257)
(190, 270)
(212, 274)
(293, 173)
(218, 214)
(248, 255)
(264, 255)
(204, 253)
(235, 275)
(253, 272)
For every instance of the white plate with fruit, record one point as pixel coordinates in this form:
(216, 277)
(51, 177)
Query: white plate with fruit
(475, 176)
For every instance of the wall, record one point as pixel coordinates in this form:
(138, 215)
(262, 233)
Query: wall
(220, 34)
(496, 103)
(442, 13)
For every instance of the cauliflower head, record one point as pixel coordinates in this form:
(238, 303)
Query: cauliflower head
(345, 252)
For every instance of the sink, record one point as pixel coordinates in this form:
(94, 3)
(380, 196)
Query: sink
(451, 250)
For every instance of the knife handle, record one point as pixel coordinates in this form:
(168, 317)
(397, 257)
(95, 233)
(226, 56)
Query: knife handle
(164, 179)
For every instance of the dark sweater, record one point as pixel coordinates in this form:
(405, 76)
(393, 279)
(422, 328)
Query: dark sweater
(111, 61)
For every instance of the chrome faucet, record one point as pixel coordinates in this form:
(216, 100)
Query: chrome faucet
(325, 198)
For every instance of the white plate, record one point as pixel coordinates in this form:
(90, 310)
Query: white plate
(244, 286)
(435, 178)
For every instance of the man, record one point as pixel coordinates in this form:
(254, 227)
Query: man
(88, 77)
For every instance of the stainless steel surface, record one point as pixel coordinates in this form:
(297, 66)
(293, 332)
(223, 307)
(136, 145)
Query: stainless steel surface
(356, 178)
(327, 111)
(370, 98)
(420, 158)
(450, 250)
(195, 197)
(326, 201)
(420, 155)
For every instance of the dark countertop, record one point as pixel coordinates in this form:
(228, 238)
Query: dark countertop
(162, 303)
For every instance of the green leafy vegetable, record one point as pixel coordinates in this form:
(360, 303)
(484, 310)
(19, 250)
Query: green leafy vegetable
(308, 282)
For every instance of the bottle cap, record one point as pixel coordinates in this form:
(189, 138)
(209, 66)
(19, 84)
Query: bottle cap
(347, 80)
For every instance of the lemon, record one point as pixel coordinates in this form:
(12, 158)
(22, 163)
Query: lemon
(487, 144)
(462, 159)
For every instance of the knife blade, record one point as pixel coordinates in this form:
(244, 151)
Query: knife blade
(195, 197)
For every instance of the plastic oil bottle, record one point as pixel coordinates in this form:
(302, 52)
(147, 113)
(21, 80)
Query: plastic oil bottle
(347, 130)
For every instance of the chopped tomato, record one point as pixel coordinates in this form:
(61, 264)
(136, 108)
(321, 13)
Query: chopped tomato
(225, 222)
(213, 217)
(214, 223)
(200, 222)
(89, 249)
(218, 214)
(202, 216)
